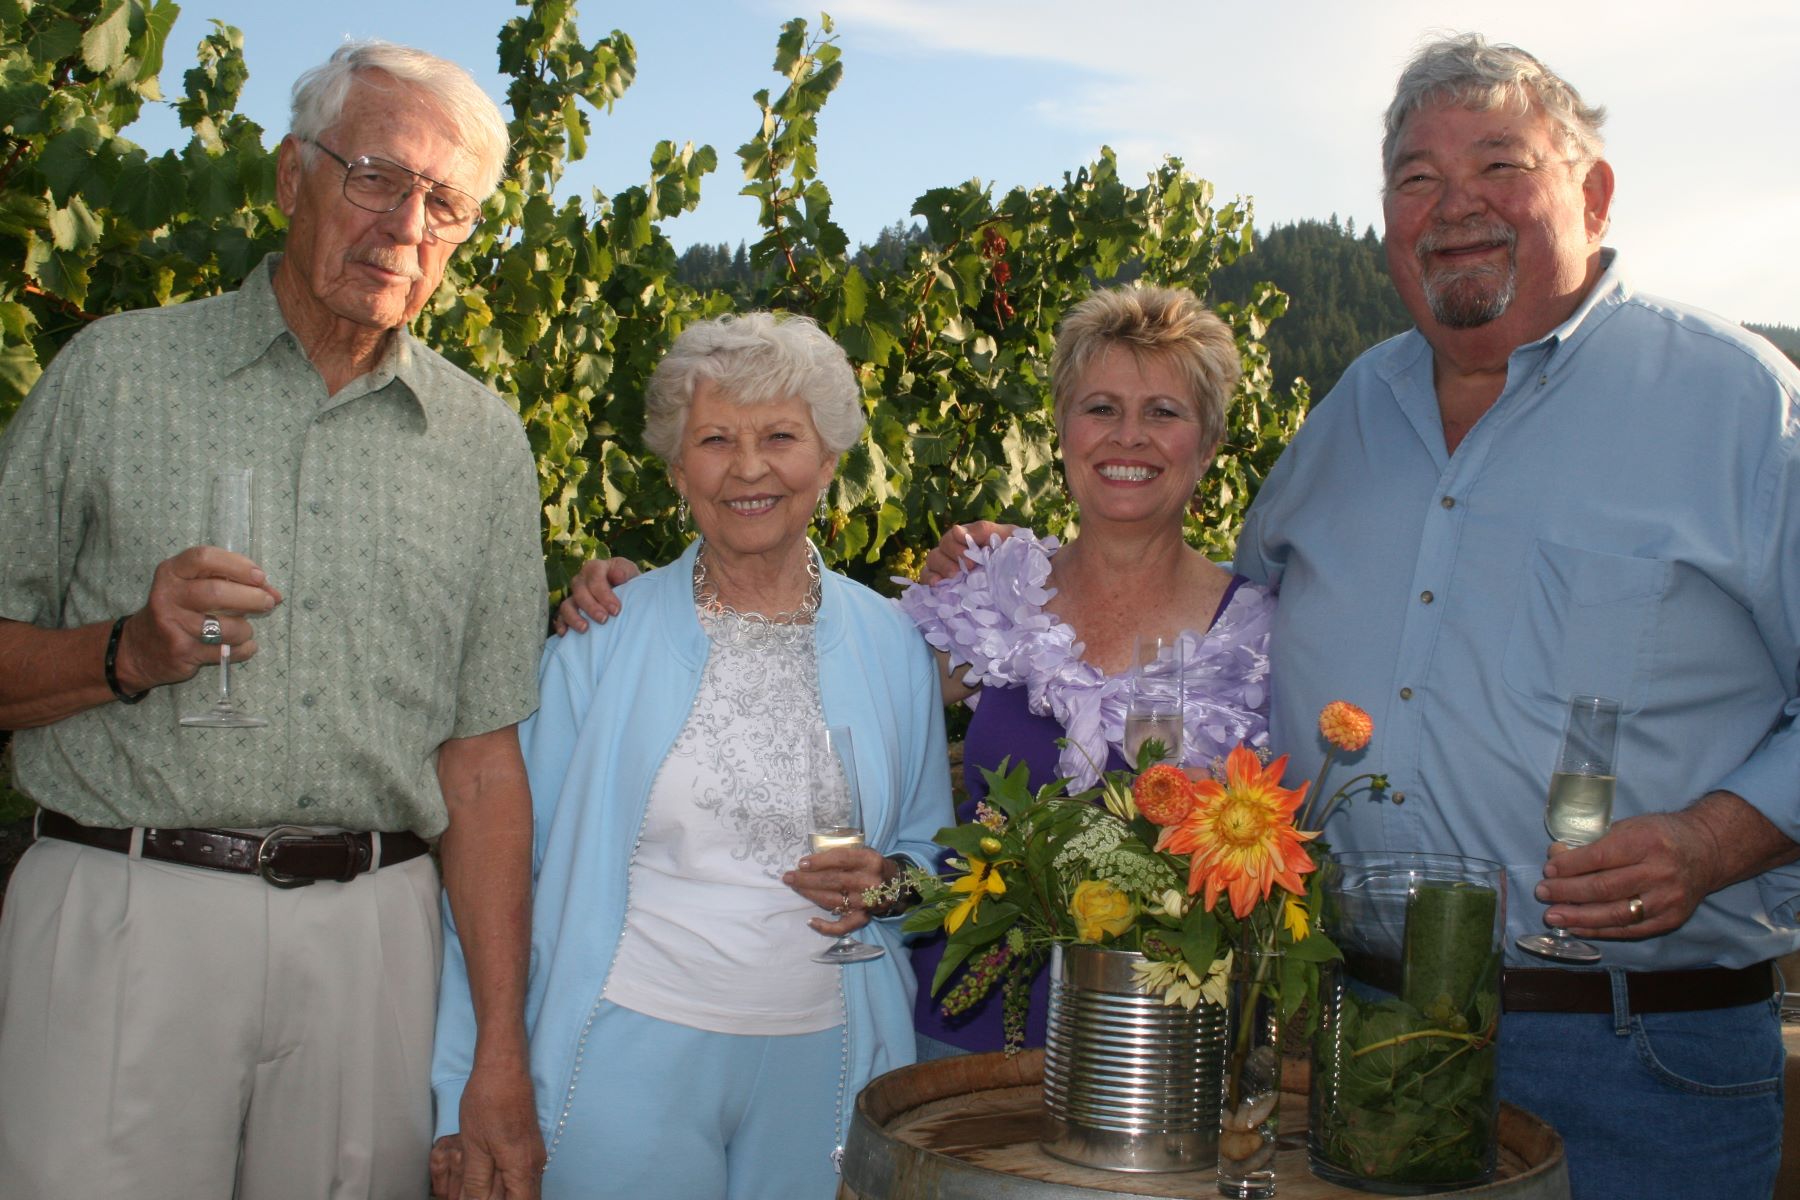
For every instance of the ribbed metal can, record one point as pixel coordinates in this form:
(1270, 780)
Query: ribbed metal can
(1130, 1083)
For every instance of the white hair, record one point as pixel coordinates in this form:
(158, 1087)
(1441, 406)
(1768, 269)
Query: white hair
(755, 358)
(1473, 73)
(320, 95)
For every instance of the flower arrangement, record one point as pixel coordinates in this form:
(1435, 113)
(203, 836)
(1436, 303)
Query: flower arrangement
(1192, 874)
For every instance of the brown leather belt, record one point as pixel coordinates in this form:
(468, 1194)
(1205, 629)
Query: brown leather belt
(286, 856)
(1539, 989)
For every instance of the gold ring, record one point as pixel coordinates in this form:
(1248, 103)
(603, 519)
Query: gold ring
(1635, 906)
(846, 896)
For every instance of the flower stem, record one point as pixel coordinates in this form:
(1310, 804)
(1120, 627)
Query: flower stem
(1473, 1039)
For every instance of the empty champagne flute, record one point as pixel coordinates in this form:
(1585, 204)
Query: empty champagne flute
(836, 806)
(227, 527)
(1153, 699)
(1579, 808)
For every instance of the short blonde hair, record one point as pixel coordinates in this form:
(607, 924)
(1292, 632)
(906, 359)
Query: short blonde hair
(1151, 322)
(754, 358)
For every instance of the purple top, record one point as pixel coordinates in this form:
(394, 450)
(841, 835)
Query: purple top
(1035, 690)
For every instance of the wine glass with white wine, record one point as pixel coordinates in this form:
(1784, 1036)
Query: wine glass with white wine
(1153, 699)
(228, 520)
(836, 806)
(1579, 809)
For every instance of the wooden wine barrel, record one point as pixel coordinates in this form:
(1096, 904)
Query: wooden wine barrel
(967, 1129)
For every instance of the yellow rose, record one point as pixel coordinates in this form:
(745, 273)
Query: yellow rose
(1100, 910)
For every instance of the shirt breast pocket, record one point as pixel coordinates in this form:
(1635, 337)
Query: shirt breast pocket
(1583, 623)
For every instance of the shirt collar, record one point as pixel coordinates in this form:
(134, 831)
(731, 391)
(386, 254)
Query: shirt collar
(257, 324)
(1610, 291)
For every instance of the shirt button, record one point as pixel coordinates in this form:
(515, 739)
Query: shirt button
(1399, 797)
(1426, 597)
(314, 507)
(1447, 502)
(306, 802)
(310, 603)
(307, 701)
(1406, 693)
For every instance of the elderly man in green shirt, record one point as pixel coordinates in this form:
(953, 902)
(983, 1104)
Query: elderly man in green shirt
(218, 962)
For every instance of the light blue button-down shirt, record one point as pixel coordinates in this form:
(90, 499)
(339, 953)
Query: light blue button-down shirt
(1625, 521)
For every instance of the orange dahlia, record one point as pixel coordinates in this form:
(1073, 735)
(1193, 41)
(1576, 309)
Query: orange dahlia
(1163, 794)
(1346, 726)
(1240, 836)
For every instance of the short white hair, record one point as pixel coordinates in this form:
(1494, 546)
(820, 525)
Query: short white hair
(320, 95)
(1473, 73)
(754, 358)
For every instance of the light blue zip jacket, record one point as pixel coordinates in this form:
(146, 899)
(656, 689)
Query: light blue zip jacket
(612, 701)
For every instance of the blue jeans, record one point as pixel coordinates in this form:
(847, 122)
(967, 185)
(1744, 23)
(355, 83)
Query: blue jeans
(1654, 1104)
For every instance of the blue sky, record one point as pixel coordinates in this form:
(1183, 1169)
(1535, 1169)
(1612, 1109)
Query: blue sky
(1279, 102)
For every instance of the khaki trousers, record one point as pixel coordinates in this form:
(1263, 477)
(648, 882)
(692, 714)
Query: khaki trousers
(173, 1032)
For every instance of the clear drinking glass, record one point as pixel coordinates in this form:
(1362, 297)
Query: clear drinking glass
(228, 520)
(1153, 698)
(1579, 809)
(836, 818)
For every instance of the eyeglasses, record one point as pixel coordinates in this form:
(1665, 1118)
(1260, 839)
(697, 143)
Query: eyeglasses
(377, 185)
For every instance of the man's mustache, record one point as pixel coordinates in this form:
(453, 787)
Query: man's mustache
(1454, 237)
(390, 260)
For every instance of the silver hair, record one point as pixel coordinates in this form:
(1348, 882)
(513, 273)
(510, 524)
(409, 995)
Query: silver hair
(320, 95)
(1152, 322)
(755, 358)
(1473, 73)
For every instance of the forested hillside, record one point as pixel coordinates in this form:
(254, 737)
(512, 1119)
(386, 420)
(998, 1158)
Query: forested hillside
(1339, 299)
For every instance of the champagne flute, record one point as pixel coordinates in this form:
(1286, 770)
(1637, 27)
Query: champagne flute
(1579, 808)
(228, 527)
(836, 818)
(1153, 708)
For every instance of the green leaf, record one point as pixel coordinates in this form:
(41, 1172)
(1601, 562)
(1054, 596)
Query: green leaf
(74, 227)
(103, 45)
(56, 40)
(62, 273)
(68, 158)
(856, 296)
(154, 192)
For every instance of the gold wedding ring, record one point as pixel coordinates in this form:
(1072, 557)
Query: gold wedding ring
(1635, 906)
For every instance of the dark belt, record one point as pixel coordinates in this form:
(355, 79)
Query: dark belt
(1539, 989)
(285, 856)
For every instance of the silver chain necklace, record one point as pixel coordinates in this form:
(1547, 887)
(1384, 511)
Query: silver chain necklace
(724, 622)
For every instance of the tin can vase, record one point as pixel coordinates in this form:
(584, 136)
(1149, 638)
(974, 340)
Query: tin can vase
(1130, 1083)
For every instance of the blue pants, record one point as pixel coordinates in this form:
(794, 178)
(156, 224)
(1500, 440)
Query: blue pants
(1655, 1104)
(665, 1112)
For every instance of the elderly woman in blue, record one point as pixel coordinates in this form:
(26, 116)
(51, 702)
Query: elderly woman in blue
(684, 1043)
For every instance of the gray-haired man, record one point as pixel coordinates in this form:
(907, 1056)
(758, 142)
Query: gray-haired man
(218, 962)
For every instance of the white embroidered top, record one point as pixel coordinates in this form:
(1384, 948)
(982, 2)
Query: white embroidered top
(713, 939)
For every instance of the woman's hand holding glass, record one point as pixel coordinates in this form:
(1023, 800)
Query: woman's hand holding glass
(835, 880)
(840, 868)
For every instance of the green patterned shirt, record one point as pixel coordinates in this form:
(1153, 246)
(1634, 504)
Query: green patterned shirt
(399, 518)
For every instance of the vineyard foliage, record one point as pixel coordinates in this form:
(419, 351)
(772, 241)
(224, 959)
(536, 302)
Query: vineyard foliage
(565, 305)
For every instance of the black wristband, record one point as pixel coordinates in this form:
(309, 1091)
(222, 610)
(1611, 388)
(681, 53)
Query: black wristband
(112, 665)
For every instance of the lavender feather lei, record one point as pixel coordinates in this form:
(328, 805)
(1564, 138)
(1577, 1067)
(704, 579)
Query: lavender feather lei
(991, 619)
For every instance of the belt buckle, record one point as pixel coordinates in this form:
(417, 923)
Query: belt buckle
(265, 856)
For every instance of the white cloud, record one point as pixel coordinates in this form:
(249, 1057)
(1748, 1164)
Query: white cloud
(1283, 101)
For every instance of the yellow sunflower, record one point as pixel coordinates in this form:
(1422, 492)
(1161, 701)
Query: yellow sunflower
(1240, 835)
(982, 880)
